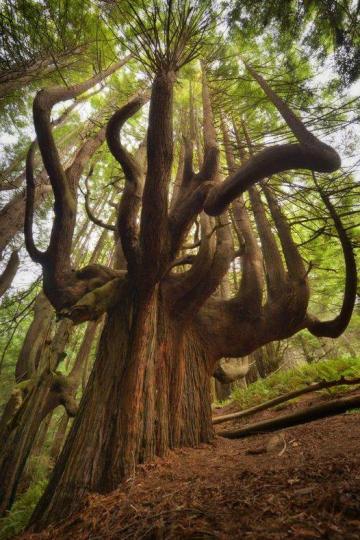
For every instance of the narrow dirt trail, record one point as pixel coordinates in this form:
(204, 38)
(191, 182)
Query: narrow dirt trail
(306, 488)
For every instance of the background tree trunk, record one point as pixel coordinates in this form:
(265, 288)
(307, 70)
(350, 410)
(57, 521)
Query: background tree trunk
(6, 278)
(20, 432)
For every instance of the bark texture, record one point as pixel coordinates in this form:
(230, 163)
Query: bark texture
(158, 398)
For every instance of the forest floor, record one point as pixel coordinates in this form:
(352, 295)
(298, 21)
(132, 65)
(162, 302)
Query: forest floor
(307, 487)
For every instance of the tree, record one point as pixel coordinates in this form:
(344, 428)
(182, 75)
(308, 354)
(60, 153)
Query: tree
(332, 27)
(166, 329)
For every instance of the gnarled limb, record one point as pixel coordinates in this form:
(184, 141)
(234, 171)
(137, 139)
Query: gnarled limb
(63, 183)
(185, 212)
(310, 154)
(62, 285)
(294, 262)
(36, 255)
(274, 267)
(206, 275)
(210, 166)
(252, 277)
(93, 304)
(251, 288)
(335, 327)
(195, 187)
(88, 210)
(43, 104)
(58, 253)
(215, 254)
(134, 172)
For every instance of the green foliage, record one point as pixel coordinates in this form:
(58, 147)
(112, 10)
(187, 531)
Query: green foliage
(293, 379)
(16, 520)
(320, 26)
(36, 476)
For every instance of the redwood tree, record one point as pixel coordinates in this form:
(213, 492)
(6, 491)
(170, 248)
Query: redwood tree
(165, 329)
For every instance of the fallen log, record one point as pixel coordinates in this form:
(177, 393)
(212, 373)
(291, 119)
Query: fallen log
(285, 397)
(303, 416)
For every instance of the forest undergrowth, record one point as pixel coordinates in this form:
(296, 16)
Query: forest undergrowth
(284, 381)
(262, 390)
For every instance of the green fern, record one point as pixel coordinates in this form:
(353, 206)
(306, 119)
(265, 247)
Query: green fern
(17, 519)
(294, 379)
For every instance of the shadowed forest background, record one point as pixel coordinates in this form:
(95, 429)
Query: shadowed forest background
(178, 230)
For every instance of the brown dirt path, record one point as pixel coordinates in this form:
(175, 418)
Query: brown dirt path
(221, 491)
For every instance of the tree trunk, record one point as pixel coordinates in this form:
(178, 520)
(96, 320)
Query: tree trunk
(59, 437)
(6, 278)
(20, 432)
(149, 391)
(17, 445)
(13, 214)
(223, 390)
(267, 359)
(35, 339)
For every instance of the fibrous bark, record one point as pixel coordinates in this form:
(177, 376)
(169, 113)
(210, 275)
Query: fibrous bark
(156, 368)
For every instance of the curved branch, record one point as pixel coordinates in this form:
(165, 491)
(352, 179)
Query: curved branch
(275, 271)
(184, 213)
(310, 153)
(336, 326)
(43, 104)
(210, 166)
(88, 210)
(56, 261)
(294, 262)
(128, 163)
(251, 287)
(195, 187)
(58, 253)
(270, 161)
(209, 267)
(96, 302)
(133, 170)
(35, 254)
